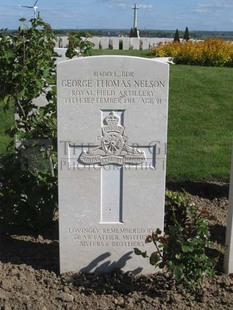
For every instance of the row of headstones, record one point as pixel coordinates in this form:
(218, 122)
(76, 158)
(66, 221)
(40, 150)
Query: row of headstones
(119, 43)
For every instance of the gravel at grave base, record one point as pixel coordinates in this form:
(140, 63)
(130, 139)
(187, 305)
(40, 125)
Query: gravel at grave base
(29, 276)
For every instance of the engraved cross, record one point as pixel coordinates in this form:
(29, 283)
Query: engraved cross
(113, 155)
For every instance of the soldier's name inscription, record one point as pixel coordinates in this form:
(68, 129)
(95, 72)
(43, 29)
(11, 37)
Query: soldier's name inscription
(113, 88)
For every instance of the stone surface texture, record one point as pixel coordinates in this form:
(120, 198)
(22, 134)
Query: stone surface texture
(112, 133)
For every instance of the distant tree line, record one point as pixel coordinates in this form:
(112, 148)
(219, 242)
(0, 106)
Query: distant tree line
(150, 33)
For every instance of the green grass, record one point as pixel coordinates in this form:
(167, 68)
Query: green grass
(200, 126)
(137, 53)
(200, 130)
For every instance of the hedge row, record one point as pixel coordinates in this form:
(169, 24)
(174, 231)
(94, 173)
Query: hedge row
(210, 52)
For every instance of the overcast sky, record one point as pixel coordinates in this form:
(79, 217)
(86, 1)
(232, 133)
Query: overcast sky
(152, 14)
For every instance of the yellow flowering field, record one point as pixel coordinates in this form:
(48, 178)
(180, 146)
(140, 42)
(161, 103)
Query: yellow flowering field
(210, 52)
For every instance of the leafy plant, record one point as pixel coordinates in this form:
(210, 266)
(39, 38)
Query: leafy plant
(28, 197)
(27, 70)
(78, 44)
(28, 175)
(182, 248)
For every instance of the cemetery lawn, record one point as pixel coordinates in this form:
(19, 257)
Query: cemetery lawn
(200, 131)
(200, 125)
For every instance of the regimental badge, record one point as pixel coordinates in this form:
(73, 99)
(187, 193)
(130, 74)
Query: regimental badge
(114, 148)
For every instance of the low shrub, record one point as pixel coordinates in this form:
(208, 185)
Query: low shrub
(28, 197)
(210, 52)
(181, 250)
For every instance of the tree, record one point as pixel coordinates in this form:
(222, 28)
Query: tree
(133, 33)
(177, 36)
(186, 34)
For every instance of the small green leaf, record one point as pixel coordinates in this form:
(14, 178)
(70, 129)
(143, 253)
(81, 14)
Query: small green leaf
(186, 248)
(161, 265)
(137, 251)
(154, 259)
(178, 273)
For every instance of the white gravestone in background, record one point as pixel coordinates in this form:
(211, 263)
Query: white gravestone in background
(112, 133)
(115, 43)
(228, 259)
(135, 43)
(126, 43)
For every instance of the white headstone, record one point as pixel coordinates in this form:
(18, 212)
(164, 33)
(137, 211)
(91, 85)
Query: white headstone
(112, 133)
(115, 43)
(135, 43)
(126, 43)
(63, 41)
(95, 41)
(146, 43)
(228, 259)
(104, 42)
